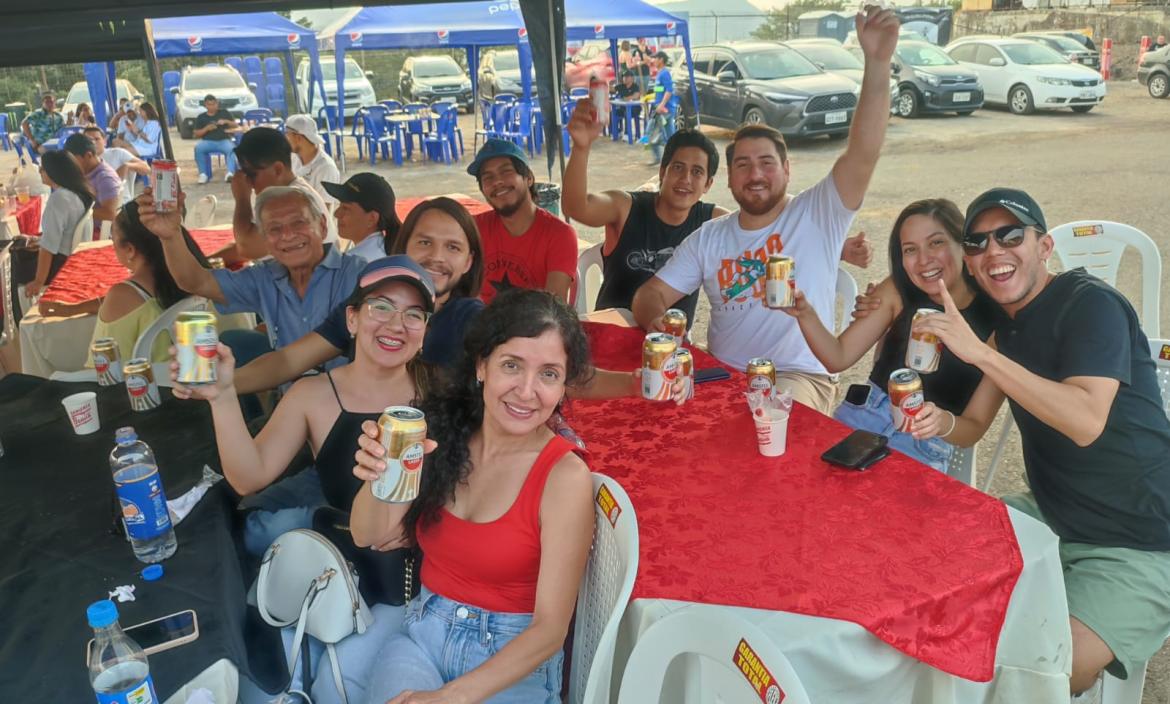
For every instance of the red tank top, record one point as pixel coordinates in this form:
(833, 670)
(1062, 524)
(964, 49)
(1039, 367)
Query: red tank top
(492, 565)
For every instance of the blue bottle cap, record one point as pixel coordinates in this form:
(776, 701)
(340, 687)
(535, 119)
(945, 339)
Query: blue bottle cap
(102, 613)
(125, 436)
(152, 573)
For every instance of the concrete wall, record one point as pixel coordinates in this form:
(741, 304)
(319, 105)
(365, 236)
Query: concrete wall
(1125, 26)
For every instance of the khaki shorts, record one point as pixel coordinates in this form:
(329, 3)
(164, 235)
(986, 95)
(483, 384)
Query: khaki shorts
(1121, 594)
(813, 390)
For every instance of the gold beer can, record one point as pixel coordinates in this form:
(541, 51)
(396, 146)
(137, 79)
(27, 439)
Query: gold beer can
(215, 262)
(906, 398)
(761, 375)
(195, 338)
(140, 386)
(924, 350)
(107, 361)
(686, 369)
(659, 366)
(674, 322)
(780, 282)
(401, 430)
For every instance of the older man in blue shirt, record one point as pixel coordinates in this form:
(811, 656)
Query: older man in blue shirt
(293, 292)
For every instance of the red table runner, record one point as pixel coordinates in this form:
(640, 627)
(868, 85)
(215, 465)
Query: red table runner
(924, 562)
(28, 217)
(90, 273)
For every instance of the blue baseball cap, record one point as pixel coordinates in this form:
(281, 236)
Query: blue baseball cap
(492, 149)
(398, 267)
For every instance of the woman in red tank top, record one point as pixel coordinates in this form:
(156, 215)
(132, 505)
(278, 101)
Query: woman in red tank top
(504, 517)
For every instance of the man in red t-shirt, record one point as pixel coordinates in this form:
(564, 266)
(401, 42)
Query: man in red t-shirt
(523, 246)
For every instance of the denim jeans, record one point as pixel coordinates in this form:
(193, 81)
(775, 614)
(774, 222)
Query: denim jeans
(875, 417)
(668, 129)
(204, 148)
(286, 505)
(443, 640)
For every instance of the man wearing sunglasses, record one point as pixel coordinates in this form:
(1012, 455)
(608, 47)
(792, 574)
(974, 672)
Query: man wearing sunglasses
(1075, 365)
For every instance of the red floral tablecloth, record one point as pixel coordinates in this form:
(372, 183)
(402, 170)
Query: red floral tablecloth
(89, 273)
(925, 563)
(28, 217)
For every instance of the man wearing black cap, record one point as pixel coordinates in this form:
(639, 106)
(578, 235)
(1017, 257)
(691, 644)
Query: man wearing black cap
(365, 214)
(1076, 368)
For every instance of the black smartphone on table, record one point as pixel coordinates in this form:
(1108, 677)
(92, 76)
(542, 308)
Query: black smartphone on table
(858, 451)
(711, 374)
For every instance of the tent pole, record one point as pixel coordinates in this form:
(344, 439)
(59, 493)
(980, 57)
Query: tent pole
(157, 85)
(556, 98)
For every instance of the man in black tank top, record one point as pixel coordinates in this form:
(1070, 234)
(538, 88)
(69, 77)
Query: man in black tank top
(642, 229)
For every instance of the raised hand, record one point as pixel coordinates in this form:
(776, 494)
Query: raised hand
(857, 251)
(369, 456)
(800, 307)
(225, 372)
(584, 124)
(931, 422)
(877, 33)
(952, 329)
(165, 226)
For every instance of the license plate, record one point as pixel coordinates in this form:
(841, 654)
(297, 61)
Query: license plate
(836, 118)
(1088, 94)
(964, 97)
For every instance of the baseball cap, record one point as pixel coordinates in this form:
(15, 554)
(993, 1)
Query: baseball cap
(1013, 200)
(370, 191)
(398, 267)
(492, 149)
(306, 127)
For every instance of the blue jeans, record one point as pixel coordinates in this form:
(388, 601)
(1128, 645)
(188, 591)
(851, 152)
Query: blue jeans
(204, 148)
(443, 640)
(286, 505)
(668, 129)
(875, 417)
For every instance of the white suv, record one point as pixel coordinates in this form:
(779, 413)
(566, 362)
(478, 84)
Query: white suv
(359, 92)
(227, 85)
(1027, 76)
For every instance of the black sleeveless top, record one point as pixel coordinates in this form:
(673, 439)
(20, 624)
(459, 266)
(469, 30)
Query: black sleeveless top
(953, 384)
(335, 458)
(643, 247)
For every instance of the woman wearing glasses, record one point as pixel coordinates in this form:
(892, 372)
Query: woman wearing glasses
(925, 252)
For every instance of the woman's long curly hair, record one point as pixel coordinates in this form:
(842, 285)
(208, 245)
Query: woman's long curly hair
(455, 413)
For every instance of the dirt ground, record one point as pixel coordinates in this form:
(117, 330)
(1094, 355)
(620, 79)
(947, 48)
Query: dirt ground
(1102, 165)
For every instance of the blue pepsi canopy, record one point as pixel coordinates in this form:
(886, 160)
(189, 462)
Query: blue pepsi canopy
(458, 24)
(618, 19)
(230, 34)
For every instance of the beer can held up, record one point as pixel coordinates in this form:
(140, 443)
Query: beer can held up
(906, 398)
(401, 430)
(164, 175)
(924, 350)
(195, 339)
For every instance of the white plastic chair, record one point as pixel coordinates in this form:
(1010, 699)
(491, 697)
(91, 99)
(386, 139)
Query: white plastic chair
(726, 641)
(846, 297)
(164, 322)
(202, 213)
(605, 591)
(961, 465)
(1097, 245)
(587, 289)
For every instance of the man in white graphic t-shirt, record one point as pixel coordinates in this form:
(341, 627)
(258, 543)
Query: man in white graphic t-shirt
(727, 255)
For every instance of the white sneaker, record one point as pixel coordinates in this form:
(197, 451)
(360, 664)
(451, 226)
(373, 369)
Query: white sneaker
(203, 179)
(228, 177)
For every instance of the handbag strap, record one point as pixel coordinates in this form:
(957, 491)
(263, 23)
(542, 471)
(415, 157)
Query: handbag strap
(338, 684)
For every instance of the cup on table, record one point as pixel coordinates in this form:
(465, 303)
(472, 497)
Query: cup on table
(82, 410)
(771, 431)
(22, 194)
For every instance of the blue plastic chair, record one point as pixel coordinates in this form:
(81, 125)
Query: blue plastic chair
(252, 64)
(416, 128)
(500, 118)
(5, 139)
(519, 125)
(391, 105)
(440, 142)
(235, 62)
(276, 101)
(505, 98)
(380, 134)
(274, 69)
(260, 116)
(330, 129)
(171, 79)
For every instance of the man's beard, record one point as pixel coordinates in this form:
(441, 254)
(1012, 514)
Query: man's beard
(762, 207)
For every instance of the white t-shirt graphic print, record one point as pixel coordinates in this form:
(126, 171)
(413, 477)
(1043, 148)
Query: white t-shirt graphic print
(729, 262)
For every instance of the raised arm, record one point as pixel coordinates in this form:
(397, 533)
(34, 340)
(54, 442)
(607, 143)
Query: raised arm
(877, 32)
(373, 522)
(188, 272)
(841, 353)
(593, 209)
(249, 241)
(652, 300)
(284, 364)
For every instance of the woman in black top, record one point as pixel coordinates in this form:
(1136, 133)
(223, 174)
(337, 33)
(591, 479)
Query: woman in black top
(924, 251)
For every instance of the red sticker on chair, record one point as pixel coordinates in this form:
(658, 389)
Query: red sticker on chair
(608, 505)
(756, 673)
(1164, 353)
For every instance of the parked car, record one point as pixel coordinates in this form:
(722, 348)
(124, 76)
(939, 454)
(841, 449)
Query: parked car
(592, 59)
(904, 35)
(1070, 49)
(359, 91)
(430, 78)
(766, 82)
(1079, 37)
(224, 82)
(499, 74)
(1027, 76)
(831, 57)
(79, 93)
(1154, 72)
(931, 81)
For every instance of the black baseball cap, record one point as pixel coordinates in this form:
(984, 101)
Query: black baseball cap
(1013, 200)
(369, 191)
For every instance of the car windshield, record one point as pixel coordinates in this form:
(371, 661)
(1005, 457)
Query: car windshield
(436, 69)
(352, 70)
(776, 63)
(1032, 54)
(213, 80)
(1064, 43)
(831, 57)
(507, 61)
(924, 55)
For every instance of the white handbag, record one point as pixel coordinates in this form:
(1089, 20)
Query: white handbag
(304, 579)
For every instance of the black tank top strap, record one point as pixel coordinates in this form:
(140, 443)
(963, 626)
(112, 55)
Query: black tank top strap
(333, 386)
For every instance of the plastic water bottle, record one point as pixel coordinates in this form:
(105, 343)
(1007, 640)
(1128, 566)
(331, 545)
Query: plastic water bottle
(118, 669)
(143, 502)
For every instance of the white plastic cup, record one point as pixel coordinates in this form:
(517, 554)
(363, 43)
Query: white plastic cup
(82, 410)
(772, 434)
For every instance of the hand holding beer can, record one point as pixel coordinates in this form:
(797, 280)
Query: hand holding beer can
(924, 350)
(401, 430)
(674, 323)
(196, 340)
(906, 398)
(599, 94)
(164, 177)
(780, 282)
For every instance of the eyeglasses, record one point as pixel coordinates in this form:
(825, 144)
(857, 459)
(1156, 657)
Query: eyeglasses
(1008, 237)
(383, 311)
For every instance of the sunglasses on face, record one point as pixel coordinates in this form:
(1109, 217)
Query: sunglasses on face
(1008, 237)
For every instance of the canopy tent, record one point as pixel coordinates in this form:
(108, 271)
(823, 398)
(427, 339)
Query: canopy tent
(101, 80)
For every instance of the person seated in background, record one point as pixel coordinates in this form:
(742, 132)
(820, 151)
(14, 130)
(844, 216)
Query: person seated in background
(309, 160)
(82, 117)
(627, 89)
(42, 124)
(924, 250)
(121, 161)
(213, 130)
(264, 159)
(524, 246)
(115, 122)
(504, 517)
(1076, 368)
(365, 214)
(66, 207)
(293, 291)
(103, 180)
(140, 132)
